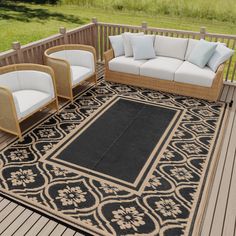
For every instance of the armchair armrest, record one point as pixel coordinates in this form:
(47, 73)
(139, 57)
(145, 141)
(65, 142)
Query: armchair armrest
(108, 55)
(62, 73)
(8, 115)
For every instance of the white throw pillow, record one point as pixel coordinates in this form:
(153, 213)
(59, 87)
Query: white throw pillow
(221, 54)
(143, 47)
(127, 43)
(170, 47)
(202, 53)
(191, 44)
(117, 44)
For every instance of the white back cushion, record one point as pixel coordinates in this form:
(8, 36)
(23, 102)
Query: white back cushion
(80, 58)
(117, 44)
(191, 44)
(171, 47)
(35, 80)
(127, 43)
(10, 81)
(60, 54)
(76, 58)
(143, 47)
(221, 54)
(202, 53)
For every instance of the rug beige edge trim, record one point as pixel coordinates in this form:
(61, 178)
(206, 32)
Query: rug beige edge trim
(209, 182)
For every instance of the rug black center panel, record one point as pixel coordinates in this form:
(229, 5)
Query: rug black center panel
(120, 140)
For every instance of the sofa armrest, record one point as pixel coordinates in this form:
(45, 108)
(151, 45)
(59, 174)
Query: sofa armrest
(218, 81)
(62, 73)
(8, 115)
(108, 55)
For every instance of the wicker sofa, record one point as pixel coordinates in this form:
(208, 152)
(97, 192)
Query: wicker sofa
(168, 72)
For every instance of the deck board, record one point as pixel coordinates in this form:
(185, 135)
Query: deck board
(224, 189)
(224, 93)
(69, 232)
(10, 230)
(230, 94)
(220, 215)
(37, 226)
(25, 227)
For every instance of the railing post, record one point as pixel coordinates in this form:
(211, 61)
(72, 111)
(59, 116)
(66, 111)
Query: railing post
(62, 30)
(202, 32)
(17, 47)
(94, 20)
(144, 26)
(95, 35)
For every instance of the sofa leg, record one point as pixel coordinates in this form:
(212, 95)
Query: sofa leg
(95, 80)
(72, 100)
(57, 106)
(20, 137)
(19, 133)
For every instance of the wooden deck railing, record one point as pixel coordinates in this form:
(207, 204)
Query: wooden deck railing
(33, 52)
(97, 33)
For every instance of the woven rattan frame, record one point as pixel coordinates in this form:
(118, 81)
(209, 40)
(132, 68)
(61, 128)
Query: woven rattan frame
(208, 93)
(62, 68)
(8, 116)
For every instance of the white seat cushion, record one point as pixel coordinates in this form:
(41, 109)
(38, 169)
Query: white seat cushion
(161, 68)
(192, 74)
(171, 47)
(126, 65)
(27, 101)
(79, 73)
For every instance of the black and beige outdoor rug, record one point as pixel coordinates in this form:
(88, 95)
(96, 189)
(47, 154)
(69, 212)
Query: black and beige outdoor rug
(119, 161)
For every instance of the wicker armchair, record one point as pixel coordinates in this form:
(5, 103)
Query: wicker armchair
(72, 64)
(24, 90)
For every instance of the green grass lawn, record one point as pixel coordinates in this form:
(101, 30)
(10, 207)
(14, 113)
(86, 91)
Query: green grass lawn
(27, 22)
(223, 10)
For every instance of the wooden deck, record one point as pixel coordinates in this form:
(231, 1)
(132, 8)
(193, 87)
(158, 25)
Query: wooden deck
(220, 216)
